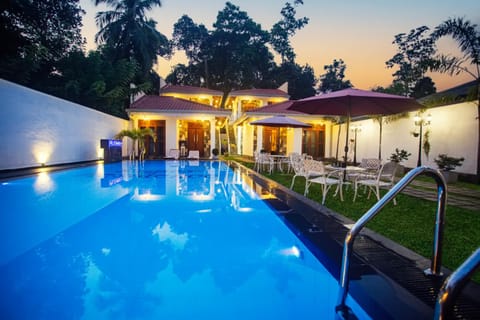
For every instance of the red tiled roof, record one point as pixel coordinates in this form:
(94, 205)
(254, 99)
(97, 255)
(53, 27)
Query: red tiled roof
(189, 90)
(281, 107)
(171, 104)
(260, 93)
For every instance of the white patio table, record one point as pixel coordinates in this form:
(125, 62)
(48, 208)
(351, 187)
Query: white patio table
(279, 159)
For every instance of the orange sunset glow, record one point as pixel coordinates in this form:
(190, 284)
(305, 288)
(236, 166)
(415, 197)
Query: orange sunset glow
(359, 32)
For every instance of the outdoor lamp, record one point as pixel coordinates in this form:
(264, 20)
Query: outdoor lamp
(355, 129)
(420, 121)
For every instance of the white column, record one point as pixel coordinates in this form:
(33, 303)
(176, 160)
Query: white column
(297, 140)
(213, 136)
(259, 138)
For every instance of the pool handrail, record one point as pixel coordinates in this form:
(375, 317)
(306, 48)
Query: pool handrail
(454, 284)
(435, 266)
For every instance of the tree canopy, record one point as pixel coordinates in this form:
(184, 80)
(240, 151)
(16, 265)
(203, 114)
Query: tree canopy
(333, 78)
(36, 35)
(128, 31)
(236, 54)
(284, 29)
(415, 52)
(467, 35)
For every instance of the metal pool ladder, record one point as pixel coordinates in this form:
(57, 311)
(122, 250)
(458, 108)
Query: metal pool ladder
(435, 265)
(454, 285)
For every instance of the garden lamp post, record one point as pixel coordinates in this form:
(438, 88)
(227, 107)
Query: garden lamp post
(420, 121)
(355, 129)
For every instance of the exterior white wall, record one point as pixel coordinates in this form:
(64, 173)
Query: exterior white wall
(37, 128)
(453, 130)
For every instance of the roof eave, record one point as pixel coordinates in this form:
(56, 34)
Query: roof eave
(213, 112)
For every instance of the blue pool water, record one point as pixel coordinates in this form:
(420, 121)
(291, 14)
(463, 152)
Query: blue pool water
(158, 240)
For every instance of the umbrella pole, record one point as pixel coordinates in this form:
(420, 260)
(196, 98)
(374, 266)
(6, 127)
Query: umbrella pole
(346, 143)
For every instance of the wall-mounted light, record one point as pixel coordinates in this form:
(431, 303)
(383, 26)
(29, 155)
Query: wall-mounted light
(421, 122)
(42, 152)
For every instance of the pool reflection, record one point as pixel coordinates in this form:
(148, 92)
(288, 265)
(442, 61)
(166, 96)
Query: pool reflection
(149, 260)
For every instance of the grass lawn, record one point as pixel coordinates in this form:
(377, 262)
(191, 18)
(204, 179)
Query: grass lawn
(410, 223)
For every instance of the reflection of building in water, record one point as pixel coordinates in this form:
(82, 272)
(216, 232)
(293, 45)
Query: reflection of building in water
(196, 179)
(240, 189)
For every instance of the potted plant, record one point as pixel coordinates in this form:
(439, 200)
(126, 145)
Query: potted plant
(447, 164)
(215, 153)
(399, 156)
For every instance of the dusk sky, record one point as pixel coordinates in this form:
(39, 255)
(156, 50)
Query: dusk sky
(360, 32)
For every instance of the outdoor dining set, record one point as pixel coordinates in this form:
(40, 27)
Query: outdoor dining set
(371, 173)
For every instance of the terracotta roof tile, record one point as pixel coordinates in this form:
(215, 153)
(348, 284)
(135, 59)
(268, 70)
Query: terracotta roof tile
(260, 93)
(189, 90)
(171, 104)
(281, 107)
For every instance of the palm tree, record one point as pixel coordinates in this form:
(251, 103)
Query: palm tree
(127, 30)
(138, 137)
(468, 38)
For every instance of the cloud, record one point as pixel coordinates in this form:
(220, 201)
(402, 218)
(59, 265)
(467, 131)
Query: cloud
(165, 233)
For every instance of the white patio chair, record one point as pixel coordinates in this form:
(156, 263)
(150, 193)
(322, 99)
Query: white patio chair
(306, 168)
(371, 166)
(384, 179)
(173, 154)
(293, 157)
(263, 162)
(193, 154)
(326, 179)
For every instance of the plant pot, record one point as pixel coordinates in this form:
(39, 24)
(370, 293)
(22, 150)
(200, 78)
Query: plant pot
(450, 176)
(400, 170)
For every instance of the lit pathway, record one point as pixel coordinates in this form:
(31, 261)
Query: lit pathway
(457, 196)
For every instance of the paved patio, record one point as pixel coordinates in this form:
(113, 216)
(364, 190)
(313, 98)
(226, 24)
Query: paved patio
(457, 196)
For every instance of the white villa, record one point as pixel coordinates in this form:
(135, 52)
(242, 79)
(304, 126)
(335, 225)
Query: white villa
(230, 130)
(38, 129)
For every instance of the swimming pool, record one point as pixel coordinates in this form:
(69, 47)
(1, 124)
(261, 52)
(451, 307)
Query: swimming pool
(154, 240)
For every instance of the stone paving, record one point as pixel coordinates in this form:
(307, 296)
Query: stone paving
(457, 196)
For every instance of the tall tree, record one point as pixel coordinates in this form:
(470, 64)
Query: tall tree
(128, 31)
(191, 38)
(236, 51)
(424, 87)
(284, 29)
(36, 35)
(301, 79)
(467, 36)
(333, 78)
(96, 80)
(415, 50)
(235, 54)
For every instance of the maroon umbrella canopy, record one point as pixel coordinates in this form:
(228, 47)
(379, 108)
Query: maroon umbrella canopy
(280, 121)
(353, 103)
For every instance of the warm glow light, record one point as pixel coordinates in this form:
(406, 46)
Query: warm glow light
(201, 197)
(42, 152)
(100, 172)
(43, 183)
(293, 251)
(147, 196)
(416, 118)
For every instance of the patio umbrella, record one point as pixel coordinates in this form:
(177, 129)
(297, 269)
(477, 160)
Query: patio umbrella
(353, 103)
(280, 121)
